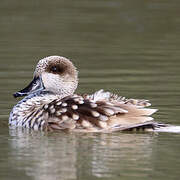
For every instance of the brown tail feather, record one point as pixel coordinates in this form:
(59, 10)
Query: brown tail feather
(137, 111)
(137, 127)
(135, 116)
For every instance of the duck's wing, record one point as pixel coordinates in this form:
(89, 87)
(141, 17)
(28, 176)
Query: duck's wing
(89, 113)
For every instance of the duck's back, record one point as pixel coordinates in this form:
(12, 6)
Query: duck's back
(100, 112)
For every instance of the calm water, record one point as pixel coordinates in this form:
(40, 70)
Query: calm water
(129, 47)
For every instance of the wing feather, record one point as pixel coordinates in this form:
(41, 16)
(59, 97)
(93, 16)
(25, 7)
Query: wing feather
(98, 112)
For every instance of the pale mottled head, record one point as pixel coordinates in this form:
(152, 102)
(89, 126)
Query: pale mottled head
(56, 74)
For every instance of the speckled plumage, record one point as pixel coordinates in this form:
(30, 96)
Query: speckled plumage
(51, 109)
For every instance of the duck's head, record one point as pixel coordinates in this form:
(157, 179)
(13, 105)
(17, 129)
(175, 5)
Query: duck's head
(55, 74)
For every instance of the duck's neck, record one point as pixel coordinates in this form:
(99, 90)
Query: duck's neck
(65, 90)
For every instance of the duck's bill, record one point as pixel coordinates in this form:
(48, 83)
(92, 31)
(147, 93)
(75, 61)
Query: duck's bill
(34, 86)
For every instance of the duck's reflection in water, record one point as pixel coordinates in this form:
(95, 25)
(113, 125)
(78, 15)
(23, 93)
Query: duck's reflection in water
(72, 156)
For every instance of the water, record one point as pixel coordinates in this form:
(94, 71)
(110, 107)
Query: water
(128, 47)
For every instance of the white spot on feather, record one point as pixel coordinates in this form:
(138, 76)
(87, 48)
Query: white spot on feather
(86, 124)
(63, 110)
(102, 124)
(103, 118)
(58, 113)
(36, 128)
(74, 107)
(58, 103)
(75, 116)
(81, 102)
(52, 111)
(109, 112)
(51, 107)
(46, 106)
(95, 113)
(64, 104)
(93, 105)
(65, 117)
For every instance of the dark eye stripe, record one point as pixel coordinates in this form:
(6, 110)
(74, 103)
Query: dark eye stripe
(54, 69)
(57, 69)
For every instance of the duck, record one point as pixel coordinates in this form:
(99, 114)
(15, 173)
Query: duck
(51, 104)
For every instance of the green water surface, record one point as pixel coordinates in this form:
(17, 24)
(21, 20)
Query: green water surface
(131, 48)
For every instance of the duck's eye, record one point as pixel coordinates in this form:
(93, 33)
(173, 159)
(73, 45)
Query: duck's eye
(56, 69)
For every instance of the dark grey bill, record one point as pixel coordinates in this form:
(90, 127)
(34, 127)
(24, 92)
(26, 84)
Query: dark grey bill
(34, 86)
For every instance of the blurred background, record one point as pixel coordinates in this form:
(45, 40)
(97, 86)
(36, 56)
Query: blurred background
(131, 48)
